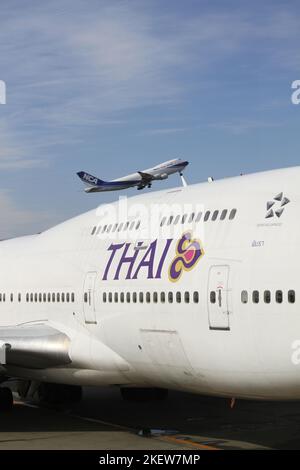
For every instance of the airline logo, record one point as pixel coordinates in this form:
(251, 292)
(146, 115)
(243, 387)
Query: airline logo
(188, 254)
(124, 263)
(276, 206)
(90, 179)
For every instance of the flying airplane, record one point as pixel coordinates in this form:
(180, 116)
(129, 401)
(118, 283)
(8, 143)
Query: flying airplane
(209, 304)
(141, 179)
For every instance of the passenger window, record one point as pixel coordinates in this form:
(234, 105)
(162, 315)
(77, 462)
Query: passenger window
(244, 296)
(178, 297)
(44, 297)
(98, 230)
(212, 297)
(279, 296)
(40, 297)
(255, 296)
(134, 297)
(215, 215)
(267, 296)
(176, 220)
(116, 296)
(198, 218)
(170, 220)
(122, 297)
(110, 297)
(85, 297)
(163, 221)
(63, 297)
(53, 297)
(11, 297)
(291, 296)
(170, 297)
(27, 297)
(67, 297)
(138, 225)
(120, 227)
(115, 227)
(187, 297)
(109, 228)
(128, 297)
(49, 297)
(93, 230)
(58, 297)
(206, 217)
(72, 297)
(223, 214)
(148, 297)
(196, 297)
(35, 297)
(19, 297)
(232, 214)
(141, 297)
(184, 217)
(162, 297)
(155, 297)
(104, 297)
(192, 217)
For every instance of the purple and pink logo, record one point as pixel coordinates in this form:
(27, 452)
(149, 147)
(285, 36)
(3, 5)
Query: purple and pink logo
(188, 254)
(124, 260)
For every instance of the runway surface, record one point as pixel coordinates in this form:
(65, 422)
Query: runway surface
(104, 421)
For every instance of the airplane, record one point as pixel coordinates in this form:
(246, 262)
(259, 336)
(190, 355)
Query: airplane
(209, 305)
(141, 179)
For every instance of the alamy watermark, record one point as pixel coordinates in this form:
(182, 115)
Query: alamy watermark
(295, 97)
(136, 220)
(2, 92)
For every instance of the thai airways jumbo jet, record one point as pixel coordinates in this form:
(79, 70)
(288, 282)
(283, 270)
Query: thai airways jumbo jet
(141, 179)
(194, 288)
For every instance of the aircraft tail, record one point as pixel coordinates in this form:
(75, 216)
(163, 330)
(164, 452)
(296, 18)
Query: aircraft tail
(90, 179)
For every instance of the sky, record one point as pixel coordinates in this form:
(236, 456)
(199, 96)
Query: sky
(111, 87)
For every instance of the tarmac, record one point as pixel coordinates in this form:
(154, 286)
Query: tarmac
(103, 421)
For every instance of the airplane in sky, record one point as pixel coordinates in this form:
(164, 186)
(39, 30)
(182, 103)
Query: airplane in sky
(140, 179)
(204, 298)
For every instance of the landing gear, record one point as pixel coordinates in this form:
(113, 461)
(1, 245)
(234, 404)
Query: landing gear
(6, 399)
(144, 394)
(58, 394)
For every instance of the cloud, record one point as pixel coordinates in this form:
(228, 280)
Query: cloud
(164, 131)
(241, 126)
(16, 221)
(69, 67)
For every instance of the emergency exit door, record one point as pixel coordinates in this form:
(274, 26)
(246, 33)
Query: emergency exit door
(89, 298)
(217, 297)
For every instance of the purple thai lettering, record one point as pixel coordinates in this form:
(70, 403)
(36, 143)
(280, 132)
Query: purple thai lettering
(147, 261)
(163, 258)
(127, 259)
(113, 248)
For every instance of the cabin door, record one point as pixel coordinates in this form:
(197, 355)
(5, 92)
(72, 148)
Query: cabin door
(89, 298)
(217, 298)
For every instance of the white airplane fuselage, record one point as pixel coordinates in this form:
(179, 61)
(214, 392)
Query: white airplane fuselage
(223, 348)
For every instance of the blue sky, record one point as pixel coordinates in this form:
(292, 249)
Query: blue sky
(114, 86)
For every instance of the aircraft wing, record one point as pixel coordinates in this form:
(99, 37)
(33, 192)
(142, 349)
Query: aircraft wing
(146, 177)
(36, 346)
